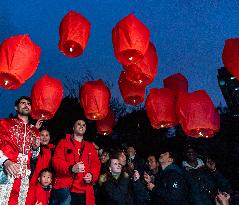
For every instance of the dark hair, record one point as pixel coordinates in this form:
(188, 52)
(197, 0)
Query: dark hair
(45, 170)
(116, 153)
(21, 98)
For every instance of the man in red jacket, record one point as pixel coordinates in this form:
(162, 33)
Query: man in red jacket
(17, 138)
(77, 167)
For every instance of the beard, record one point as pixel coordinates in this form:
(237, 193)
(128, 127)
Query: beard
(23, 112)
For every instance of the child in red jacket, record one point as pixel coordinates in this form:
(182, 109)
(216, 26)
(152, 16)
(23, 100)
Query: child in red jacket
(40, 193)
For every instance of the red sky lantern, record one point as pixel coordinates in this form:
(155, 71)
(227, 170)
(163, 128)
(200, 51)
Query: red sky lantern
(143, 72)
(198, 116)
(131, 93)
(130, 40)
(230, 56)
(74, 34)
(94, 98)
(105, 126)
(177, 83)
(46, 97)
(19, 58)
(160, 108)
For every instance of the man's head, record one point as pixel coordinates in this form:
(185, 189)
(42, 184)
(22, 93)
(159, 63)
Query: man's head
(152, 162)
(120, 155)
(166, 158)
(45, 137)
(104, 157)
(131, 151)
(79, 128)
(45, 177)
(23, 106)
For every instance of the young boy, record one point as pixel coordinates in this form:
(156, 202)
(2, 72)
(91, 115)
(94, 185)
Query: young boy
(40, 194)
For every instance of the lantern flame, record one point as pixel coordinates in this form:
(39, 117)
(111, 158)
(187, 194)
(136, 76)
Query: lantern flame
(42, 116)
(6, 82)
(130, 58)
(162, 126)
(71, 49)
(134, 100)
(105, 133)
(140, 81)
(94, 116)
(200, 133)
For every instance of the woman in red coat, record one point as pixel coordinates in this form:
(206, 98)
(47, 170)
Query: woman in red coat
(77, 168)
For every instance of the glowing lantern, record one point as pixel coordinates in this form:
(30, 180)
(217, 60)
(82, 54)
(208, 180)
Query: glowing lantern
(197, 115)
(19, 58)
(230, 56)
(160, 108)
(105, 126)
(177, 83)
(143, 72)
(130, 40)
(94, 98)
(131, 93)
(74, 34)
(46, 97)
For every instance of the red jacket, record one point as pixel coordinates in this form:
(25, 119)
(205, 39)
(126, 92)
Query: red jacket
(37, 194)
(43, 161)
(65, 157)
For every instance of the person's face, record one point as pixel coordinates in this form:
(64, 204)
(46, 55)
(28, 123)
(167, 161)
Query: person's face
(165, 158)
(79, 127)
(122, 158)
(115, 166)
(152, 163)
(45, 179)
(191, 155)
(45, 137)
(131, 151)
(23, 107)
(104, 157)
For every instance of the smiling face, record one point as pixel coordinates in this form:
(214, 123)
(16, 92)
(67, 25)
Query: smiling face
(45, 137)
(24, 107)
(79, 128)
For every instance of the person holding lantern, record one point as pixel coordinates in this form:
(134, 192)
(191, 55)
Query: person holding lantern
(18, 139)
(77, 168)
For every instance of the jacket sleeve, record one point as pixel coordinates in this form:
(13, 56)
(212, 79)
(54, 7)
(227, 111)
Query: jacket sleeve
(59, 162)
(31, 196)
(139, 191)
(94, 163)
(176, 189)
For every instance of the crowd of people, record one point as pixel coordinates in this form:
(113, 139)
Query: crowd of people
(35, 172)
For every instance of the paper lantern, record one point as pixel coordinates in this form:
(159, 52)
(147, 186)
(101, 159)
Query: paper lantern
(198, 116)
(177, 83)
(130, 40)
(143, 72)
(19, 58)
(230, 56)
(74, 34)
(131, 93)
(160, 108)
(94, 99)
(46, 97)
(105, 126)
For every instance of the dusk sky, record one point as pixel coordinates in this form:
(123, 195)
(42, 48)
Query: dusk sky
(189, 37)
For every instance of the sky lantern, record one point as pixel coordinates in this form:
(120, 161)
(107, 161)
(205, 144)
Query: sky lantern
(131, 93)
(74, 34)
(94, 99)
(177, 83)
(143, 72)
(46, 96)
(105, 126)
(19, 58)
(160, 108)
(198, 116)
(230, 56)
(130, 40)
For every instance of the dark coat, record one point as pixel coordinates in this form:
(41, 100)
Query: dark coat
(204, 185)
(170, 188)
(125, 192)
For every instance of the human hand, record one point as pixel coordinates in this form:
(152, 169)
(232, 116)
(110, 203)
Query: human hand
(136, 175)
(222, 198)
(102, 178)
(38, 203)
(147, 178)
(88, 178)
(79, 167)
(39, 124)
(131, 166)
(11, 168)
(150, 186)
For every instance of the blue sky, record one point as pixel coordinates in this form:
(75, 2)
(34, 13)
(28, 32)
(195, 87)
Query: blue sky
(189, 37)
